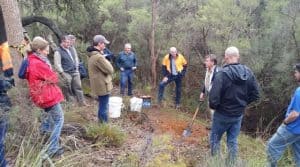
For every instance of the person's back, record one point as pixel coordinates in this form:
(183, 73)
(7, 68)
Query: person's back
(232, 89)
(238, 90)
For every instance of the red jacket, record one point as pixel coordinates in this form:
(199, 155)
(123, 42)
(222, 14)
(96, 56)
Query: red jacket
(42, 80)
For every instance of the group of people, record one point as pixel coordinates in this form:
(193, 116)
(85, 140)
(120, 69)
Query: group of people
(229, 90)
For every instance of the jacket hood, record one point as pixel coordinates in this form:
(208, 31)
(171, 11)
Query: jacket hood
(91, 51)
(237, 73)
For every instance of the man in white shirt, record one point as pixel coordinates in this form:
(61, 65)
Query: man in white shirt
(211, 69)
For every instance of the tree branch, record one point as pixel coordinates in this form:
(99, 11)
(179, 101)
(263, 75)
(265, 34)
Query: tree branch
(47, 22)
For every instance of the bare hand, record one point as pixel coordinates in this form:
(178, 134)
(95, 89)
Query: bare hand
(165, 79)
(291, 117)
(202, 97)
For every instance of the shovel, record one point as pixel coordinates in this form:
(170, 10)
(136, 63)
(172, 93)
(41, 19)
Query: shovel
(188, 130)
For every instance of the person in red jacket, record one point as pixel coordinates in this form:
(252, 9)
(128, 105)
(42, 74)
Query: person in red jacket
(45, 93)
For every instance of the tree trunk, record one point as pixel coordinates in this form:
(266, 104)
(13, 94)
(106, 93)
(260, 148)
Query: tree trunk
(12, 21)
(154, 55)
(49, 23)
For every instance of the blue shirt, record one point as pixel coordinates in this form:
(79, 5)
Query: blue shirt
(294, 127)
(126, 61)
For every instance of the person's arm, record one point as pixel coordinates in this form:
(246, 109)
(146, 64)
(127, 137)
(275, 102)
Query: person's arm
(134, 60)
(295, 107)
(76, 58)
(291, 117)
(57, 62)
(253, 90)
(104, 65)
(118, 62)
(216, 90)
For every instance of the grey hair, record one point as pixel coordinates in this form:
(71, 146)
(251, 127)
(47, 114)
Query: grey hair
(127, 45)
(173, 49)
(232, 51)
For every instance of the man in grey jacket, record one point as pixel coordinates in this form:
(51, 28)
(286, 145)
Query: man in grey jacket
(66, 63)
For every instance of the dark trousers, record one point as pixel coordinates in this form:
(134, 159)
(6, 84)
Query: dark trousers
(5, 105)
(162, 85)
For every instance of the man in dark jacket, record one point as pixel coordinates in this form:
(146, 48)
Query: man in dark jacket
(66, 63)
(6, 82)
(233, 88)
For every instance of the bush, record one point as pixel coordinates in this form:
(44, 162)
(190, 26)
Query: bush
(105, 134)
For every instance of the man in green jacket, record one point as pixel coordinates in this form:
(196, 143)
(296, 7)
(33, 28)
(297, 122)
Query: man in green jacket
(100, 72)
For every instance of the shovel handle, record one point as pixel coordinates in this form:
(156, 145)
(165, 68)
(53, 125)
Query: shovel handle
(196, 112)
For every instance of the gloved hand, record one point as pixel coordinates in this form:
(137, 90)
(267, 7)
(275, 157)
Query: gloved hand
(6, 84)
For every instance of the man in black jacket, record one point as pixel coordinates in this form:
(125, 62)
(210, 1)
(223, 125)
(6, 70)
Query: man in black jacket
(233, 88)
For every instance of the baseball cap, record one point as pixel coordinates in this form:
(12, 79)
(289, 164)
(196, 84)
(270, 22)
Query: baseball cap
(100, 38)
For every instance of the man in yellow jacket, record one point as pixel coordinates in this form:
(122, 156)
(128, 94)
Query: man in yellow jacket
(6, 82)
(174, 68)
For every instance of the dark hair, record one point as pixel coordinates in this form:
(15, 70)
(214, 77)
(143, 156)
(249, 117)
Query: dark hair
(297, 67)
(213, 58)
(63, 38)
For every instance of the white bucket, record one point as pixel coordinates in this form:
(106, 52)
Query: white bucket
(136, 104)
(114, 107)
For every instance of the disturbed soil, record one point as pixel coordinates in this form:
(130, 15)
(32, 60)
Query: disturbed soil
(141, 129)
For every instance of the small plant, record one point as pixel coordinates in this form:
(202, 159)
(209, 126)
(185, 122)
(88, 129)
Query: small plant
(105, 134)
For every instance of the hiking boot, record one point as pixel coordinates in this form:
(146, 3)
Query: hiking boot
(177, 107)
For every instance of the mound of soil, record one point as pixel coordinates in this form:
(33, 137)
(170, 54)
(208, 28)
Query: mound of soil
(168, 122)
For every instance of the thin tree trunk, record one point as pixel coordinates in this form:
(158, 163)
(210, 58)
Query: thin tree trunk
(154, 55)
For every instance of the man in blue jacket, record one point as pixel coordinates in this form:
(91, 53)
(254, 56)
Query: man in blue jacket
(288, 134)
(233, 88)
(126, 62)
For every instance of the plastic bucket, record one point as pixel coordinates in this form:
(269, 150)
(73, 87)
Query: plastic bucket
(146, 101)
(136, 104)
(114, 107)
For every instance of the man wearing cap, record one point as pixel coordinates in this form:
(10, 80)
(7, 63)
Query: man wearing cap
(6, 82)
(66, 63)
(126, 62)
(174, 68)
(100, 72)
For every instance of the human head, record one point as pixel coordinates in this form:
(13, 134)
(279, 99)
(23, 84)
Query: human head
(173, 51)
(210, 60)
(40, 45)
(65, 42)
(231, 55)
(127, 47)
(72, 39)
(99, 42)
(297, 72)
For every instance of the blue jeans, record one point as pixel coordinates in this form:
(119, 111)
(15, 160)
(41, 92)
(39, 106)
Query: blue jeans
(162, 85)
(103, 106)
(126, 76)
(279, 142)
(220, 125)
(3, 128)
(5, 105)
(52, 122)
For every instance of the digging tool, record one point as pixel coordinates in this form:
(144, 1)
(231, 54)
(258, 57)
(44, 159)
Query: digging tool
(188, 130)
